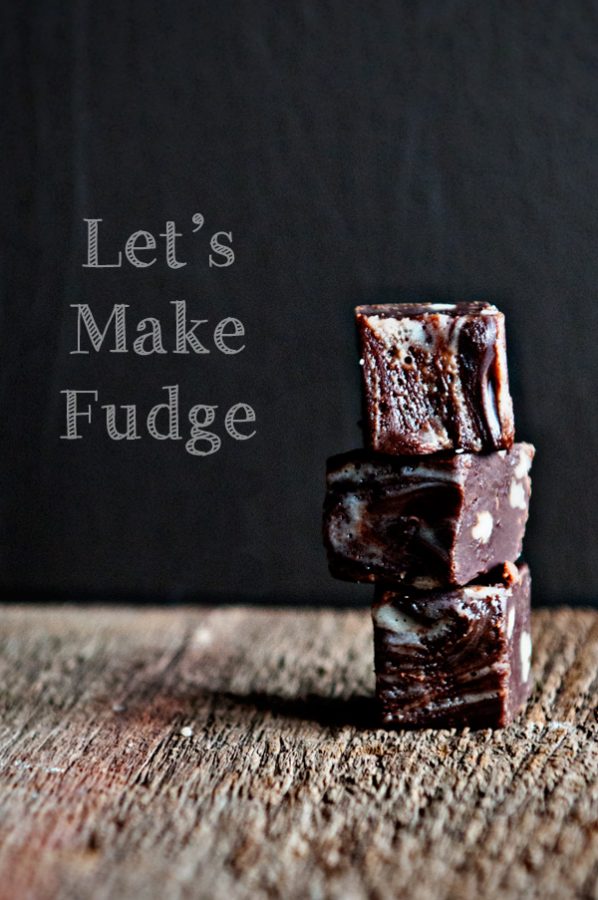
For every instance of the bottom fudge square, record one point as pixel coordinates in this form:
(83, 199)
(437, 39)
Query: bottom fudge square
(454, 657)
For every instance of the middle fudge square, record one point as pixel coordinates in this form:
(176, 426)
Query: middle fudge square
(440, 520)
(435, 377)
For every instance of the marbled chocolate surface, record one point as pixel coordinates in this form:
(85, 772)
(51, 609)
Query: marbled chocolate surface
(436, 521)
(457, 657)
(435, 377)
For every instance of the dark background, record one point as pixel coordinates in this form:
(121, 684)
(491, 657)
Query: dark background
(358, 152)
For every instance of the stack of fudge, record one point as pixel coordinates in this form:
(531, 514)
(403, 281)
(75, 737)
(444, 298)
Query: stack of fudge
(433, 512)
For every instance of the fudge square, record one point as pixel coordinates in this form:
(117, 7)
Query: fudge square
(435, 377)
(427, 522)
(454, 657)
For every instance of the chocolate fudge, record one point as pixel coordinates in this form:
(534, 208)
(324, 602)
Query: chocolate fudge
(435, 377)
(439, 520)
(454, 657)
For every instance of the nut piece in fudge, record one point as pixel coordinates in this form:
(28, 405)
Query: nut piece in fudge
(436, 521)
(435, 377)
(456, 657)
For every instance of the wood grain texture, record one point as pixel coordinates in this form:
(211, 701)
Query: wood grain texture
(232, 753)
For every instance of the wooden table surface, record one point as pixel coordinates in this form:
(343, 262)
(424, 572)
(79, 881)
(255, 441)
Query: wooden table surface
(229, 753)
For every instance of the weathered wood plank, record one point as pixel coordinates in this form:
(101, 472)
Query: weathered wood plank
(232, 753)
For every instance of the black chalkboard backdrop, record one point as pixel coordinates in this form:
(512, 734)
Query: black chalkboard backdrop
(354, 152)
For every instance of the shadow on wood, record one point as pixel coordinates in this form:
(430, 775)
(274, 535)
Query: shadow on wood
(356, 711)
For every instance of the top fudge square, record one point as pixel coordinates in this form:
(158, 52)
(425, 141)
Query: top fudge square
(435, 378)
